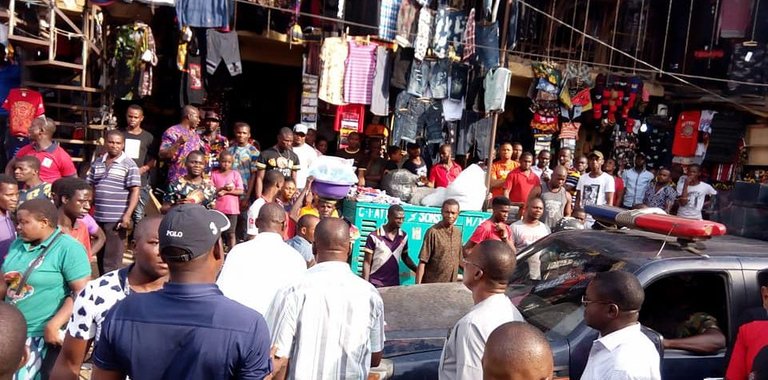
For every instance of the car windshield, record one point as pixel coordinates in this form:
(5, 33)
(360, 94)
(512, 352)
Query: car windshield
(552, 275)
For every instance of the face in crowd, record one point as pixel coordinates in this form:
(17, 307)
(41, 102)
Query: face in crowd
(500, 213)
(526, 161)
(79, 205)
(595, 163)
(115, 144)
(517, 151)
(581, 165)
(23, 172)
(535, 209)
(285, 141)
(505, 152)
(353, 141)
(564, 158)
(195, 164)
(134, 117)
(663, 176)
(543, 160)
(445, 154)
(450, 213)
(9, 196)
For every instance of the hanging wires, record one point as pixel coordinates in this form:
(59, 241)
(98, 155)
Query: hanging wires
(666, 37)
(639, 28)
(615, 26)
(584, 34)
(687, 37)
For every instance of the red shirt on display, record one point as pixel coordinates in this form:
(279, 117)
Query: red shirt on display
(350, 114)
(443, 177)
(23, 106)
(520, 185)
(55, 162)
(686, 134)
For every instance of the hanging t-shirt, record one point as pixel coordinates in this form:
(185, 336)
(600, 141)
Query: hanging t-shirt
(359, 72)
(23, 106)
(686, 134)
(333, 55)
(696, 196)
(349, 116)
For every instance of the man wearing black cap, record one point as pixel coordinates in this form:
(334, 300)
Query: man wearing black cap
(213, 142)
(187, 330)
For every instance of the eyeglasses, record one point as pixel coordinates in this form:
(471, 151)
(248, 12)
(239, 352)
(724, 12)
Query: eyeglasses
(465, 262)
(585, 302)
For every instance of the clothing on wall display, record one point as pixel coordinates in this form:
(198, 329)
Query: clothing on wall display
(388, 18)
(23, 106)
(333, 56)
(223, 47)
(496, 84)
(406, 17)
(686, 134)
(381, 81)
(359, 72)
(133, 60)
(203, 13)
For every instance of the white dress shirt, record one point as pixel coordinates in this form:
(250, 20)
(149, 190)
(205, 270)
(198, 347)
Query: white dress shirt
(463, 351)
(256, 269)
(625, 354)
(328, 324)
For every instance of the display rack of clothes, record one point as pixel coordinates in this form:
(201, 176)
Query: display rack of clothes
(133, 60)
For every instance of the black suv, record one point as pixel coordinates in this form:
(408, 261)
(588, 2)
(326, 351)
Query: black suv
(720, 280)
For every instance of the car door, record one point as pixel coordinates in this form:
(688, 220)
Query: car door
(720, 284)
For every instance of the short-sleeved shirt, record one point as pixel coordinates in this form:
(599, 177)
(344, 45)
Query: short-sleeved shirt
(149, 335)
(245, 162)
(228, 204)
(520, 185)
(487, 231)
(48, 285)
(662, 198)
(204, 192)
(359, 157)
(419, 170)
(111, 185)
(386, 252)
(442, 176)
(141, 148)
(594, 189)
(526, 235)
(273, 159)
(94, 302)
(55, 162)
(212, 148)
(40, 191)
(696, 196)
(500, 170)
(441, 253)
(80, 232)
(177, 164)
(7, 234)
(303, 246)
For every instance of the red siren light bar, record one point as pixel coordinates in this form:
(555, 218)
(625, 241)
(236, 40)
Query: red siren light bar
(656, 220)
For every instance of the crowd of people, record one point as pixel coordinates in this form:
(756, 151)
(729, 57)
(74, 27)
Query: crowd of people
(247, 264)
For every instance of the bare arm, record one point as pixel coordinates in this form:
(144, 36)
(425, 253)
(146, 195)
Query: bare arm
(299, 203)
(609, 199)
(133, 200)
(578, 199)
(98, 239)
(468, 247)
(568, 206)
(258, 184)
(367, 261)
(61, 317)
(420, 271)
(708, 342)
(103, 374)
(70, 359)
(409, 262)
(376, 358)
(3, 285)
(535, 192)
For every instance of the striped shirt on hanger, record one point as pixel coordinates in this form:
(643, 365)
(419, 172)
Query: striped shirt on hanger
(359, 73)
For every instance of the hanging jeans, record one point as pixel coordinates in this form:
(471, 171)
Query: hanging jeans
(413, 116)
(457, 22)
(459, 77)
(432, 122)
(442, 32)
(487, 45)
(438, 78)
(419, 79)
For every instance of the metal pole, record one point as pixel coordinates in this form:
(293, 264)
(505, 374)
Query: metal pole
(502, 63)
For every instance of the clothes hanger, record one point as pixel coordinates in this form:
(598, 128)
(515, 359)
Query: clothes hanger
(752, 42)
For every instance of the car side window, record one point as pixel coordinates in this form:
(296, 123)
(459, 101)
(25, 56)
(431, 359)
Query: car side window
(685, 305)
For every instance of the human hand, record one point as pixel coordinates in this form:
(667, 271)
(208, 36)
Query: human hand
(181, 140)
(221, 193)
(52, 335)
(308, 185)
(501, 230)
(244, 204)
(125, 222)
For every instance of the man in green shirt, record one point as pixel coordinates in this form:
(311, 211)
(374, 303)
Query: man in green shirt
(42, 269)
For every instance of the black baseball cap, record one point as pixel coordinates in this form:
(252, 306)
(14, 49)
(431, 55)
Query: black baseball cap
(192, 228)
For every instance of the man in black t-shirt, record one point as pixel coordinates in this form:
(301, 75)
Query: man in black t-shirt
(279, 157)
(140, 146)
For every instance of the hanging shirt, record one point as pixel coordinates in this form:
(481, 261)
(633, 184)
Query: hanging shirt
(388, 19)
(23, 106)
(359, 72)
(686, 134)
(203, 13)
(350, 115)
(333, 56)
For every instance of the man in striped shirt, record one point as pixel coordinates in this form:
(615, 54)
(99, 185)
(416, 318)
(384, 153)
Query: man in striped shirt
(329, 325)
(116, 182)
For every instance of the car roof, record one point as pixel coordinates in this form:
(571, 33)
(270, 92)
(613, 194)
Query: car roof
(639, 246)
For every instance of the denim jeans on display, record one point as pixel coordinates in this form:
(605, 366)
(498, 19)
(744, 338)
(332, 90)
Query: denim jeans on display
(459, 77)
(442, 32)
(414, 117)
(419, 79)
(457, 22)
(406, 122)
(432, 122)
(438, 78)
(401, 68)
(487, 45)
(475, 91)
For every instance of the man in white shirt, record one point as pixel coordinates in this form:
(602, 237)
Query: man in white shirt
(272, 183)
(529, 229)
(636, 181)
(306, 152)
(256, 269)
(542, 166)
(487, 269)
(596, 187)
(612, 306)
(330, 324)
(693, 194)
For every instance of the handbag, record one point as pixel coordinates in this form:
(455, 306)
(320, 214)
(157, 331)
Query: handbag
(32, 266)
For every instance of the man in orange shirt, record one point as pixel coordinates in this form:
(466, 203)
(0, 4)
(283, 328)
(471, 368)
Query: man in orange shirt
(521, 181)
(501, 168)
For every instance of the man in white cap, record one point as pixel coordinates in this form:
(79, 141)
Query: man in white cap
(306, 153)
(147, 333)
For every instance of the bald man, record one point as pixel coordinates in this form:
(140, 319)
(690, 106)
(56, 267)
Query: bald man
(517, 351)
(13, 334)
(329, 298)
(557, 200)
(487, 269)
(256, 269)
(305, 237)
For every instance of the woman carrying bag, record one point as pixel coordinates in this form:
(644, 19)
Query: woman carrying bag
(43, 269)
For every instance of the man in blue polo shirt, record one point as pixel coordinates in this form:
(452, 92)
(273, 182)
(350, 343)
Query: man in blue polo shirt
(187, 330)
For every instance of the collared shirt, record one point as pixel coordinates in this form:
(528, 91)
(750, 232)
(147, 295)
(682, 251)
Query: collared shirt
(163, 333)
(463, 351)
(94, 302)
(256, 269)
(48, 285)
(442, 176)
(386, 252)
(441, 252)
(55, 162)
(245, 162)
(662, 198)
(41, 191)
(520, 184)
(623, 354)
(634, 186)
(347, 310)
(177, 164)
(111, 186)
(303, 246)
(7, 234)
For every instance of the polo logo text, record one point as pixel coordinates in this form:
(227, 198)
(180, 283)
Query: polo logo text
(176, 234)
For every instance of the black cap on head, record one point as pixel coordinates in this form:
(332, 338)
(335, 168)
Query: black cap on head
(192, 228)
